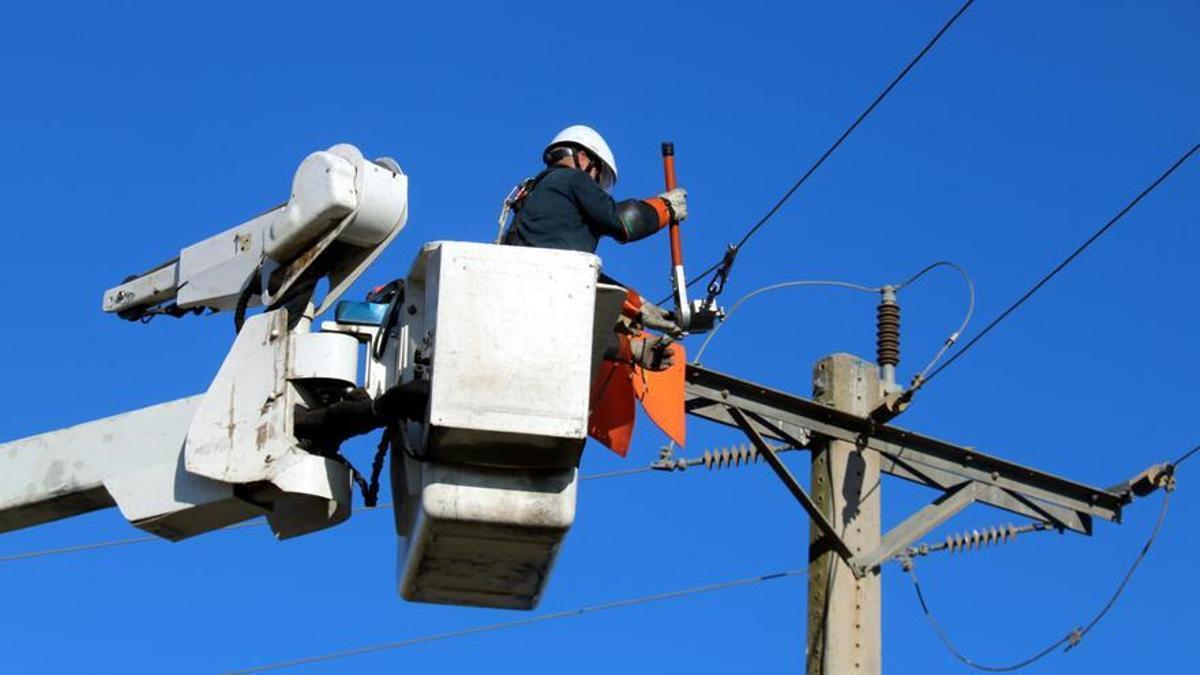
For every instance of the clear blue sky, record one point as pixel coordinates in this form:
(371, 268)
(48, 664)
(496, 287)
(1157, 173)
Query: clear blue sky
(133, 129)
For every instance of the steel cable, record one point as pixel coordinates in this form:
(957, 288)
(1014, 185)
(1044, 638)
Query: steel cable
(773, 287)
(1072, 638)
(542, 618)
(962, 327)
(1185, 456)
(1058, 268)
(837, 143)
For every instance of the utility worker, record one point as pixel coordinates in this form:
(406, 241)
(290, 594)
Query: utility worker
(569, 206)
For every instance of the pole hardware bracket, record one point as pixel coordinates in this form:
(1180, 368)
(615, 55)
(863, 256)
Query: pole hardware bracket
(1148, 481)
(928, 461)
(892, 405)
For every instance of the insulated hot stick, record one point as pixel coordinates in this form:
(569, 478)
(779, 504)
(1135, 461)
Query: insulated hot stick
(697, 316)
(683, 310)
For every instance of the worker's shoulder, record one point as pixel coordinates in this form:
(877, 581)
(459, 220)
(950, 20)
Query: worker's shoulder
(566, 176)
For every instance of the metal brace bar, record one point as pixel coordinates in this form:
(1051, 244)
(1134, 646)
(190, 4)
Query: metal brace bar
(709, 392)
(1060, 517)
(792, 484)
(794, 440)
(918, 525)
(940, 476)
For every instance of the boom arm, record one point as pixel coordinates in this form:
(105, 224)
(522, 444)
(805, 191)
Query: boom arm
(342, 212)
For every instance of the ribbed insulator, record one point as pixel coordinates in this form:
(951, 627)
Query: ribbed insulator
(976, 539)
(887, 334)
(727, 457)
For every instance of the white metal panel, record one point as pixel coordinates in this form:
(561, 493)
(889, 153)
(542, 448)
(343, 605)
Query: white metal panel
(242, 432)
(152, 287)
(483, 536)
(164, 499)
(217, 269)
(512, 331)
(242, 424)
(80, 457)
(132, 460)
(330, 356)
(383, 195)
(323, 192)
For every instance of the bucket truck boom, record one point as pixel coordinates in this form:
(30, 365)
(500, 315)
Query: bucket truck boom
(485, 479)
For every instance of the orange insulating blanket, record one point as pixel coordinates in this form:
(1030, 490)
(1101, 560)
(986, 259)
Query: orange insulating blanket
(617, 386)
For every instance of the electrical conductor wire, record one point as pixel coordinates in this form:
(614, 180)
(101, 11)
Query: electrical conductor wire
(1071, 639)
(1185, 456)
(841, 139)
(541, 618)
(773, 287)
(962, 327)
(1058, 268)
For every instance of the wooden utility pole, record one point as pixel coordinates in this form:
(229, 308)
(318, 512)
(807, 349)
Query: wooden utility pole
(844, 630)
(847, 428)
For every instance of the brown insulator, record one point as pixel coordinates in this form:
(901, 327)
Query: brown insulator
(887, 333)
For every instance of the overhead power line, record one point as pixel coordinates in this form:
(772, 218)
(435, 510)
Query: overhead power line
(962, 327)
(112, 543)
(1071, 639)
(836, 144)
(1186, 456)
(947, 343)
(1075, 636)
(774, 287)
(1059, 267)
(517, 623)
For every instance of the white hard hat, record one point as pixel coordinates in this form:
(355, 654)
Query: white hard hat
(589, 139)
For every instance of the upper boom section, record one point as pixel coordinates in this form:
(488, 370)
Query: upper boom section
(342, 212)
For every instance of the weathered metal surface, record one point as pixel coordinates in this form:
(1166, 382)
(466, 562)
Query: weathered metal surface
(844, 613)
(1062, 517)
(345, 247)
(218, 269)
(150, 288)
(507, 332)
(906, 454)
(343, 211)
(132, 461)
(511, 338)
(918, 525)
(242, 432)
(480, 536)
(818, 518)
